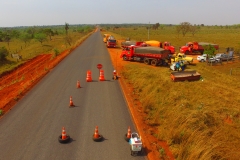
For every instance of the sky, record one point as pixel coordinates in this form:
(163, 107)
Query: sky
(14, 13)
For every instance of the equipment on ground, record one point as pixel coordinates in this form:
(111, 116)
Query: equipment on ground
(149, 55)
(135, 144)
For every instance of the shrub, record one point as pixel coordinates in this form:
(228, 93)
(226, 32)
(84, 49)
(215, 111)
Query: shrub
(3, 53)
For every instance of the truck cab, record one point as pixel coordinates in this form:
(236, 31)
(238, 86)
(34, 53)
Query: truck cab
(167, 46)
(111, 42)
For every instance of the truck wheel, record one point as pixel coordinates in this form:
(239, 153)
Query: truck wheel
(187, 52)
(202, 60)
(146, 61)
(154, 62)
(124, 58)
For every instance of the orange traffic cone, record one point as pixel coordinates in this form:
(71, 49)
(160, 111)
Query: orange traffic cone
(129, 133)
(89, 76)
(63, 138)
(71, 102)
(78, 84)
(64, 135)
(96, 135)
(101, 77)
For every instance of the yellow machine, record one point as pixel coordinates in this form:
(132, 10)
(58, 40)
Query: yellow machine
(105, 37)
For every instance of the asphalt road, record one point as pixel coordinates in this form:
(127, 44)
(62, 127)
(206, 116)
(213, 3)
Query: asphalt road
(30, 130)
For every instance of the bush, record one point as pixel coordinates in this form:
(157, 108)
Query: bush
(3, 53)
(1, 112)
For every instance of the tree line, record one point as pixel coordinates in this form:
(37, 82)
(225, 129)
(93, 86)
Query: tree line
(39, 34)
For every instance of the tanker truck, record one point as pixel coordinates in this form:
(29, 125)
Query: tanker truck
(164, 45)
(148, 55)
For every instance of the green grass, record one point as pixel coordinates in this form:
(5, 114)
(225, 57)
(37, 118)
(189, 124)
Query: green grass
(190, 116)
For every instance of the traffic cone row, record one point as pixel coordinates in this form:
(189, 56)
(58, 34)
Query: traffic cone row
(63, 138)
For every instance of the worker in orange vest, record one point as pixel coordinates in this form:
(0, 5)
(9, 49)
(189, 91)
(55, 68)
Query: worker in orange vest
(115, 77)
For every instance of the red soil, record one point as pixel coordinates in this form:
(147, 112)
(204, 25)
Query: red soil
(14, 84)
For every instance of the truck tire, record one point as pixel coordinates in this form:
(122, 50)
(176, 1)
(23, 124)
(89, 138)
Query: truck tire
(154, 62)
(124, 58)
(147, 61)
(187, 52)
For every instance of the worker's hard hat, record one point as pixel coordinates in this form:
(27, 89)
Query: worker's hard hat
(114, 70)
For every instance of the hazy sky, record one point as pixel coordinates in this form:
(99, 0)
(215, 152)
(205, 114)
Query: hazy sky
(57, 12)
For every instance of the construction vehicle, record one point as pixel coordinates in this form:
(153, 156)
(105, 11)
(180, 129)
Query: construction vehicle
(149, 55)
(135, 144)
(181, 57)
(164, 45)
(196, 47)
(111, 42)
(133, 43)
(105, 37)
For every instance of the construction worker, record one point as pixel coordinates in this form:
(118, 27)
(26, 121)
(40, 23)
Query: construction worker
(115, 77)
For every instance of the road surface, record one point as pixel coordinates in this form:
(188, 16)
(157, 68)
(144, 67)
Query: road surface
(30, 130)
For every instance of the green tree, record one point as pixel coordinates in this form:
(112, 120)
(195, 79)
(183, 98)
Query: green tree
(40, 37)
(3, 53)
(25, 37)
(49, 33)
(184, 28)
(209, 50)
(32, 31)
(66, 28)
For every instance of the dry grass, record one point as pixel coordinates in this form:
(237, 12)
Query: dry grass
(191, 116)
(201, 119)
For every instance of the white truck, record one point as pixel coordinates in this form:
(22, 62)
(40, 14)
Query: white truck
(135, 144)
(202, 58)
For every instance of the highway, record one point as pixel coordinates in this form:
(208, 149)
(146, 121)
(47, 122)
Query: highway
(30, 130)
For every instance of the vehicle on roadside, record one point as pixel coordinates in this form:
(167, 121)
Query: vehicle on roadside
(165, 45)
(202, 58)
(196, 47)
(105, 37)
(223, 56)
(181, 57)
(149, 55)
(111, 42)
(135, 143)
(133, 43)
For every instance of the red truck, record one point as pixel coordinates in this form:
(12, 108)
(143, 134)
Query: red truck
(164, 45)
(133, 43)
(196, 47)
(153, 43)
(149, 55)
(111, 42)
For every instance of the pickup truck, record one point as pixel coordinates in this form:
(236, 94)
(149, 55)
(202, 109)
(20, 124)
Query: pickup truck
(224, 56)
(202, 58)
